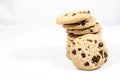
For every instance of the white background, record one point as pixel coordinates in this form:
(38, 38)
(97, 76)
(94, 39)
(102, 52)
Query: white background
(32, 45)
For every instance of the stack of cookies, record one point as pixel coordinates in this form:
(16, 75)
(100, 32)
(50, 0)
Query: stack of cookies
(81, 27)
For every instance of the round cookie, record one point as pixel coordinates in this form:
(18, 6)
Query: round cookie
(90, 21)
(71, 36)
(93, 29)
(72, 17)
(88, 52)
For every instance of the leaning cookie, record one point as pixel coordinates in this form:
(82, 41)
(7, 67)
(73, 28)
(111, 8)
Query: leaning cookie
(72, 17)
(89, 52)
(93, 29)
(90, 21)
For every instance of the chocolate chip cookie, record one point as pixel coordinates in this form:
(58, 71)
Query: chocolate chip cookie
(90, 21)
(93, 29)
(88, 52)
(71, 36)
(72, 17)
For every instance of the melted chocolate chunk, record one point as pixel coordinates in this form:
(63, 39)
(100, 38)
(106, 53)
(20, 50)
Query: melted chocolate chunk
(101, 52)
(100, 44)
(86, 64)
(105, 55)
(95, 59)
(73, 14)
(83, 55)
(95, 41)
(74, 52)
(79, 49)
(83, 22)
(89, 40)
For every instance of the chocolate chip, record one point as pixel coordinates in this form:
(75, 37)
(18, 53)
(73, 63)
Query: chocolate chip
(73, 14)
(89, 40)
(74, 52)
(79, 49)
(105, 60)
(91, 30)
(101, 52)
(88, 11)
(105, 55)
(72, 29)
(87, 21)
(65, 14)
(68, 45)
(95, 59)
(88, 47)
(100, 44)
(95, 41)
(86, 64)
(88, 54)
(83, 55)
(83, 22)
(73, 43)
(97, 23)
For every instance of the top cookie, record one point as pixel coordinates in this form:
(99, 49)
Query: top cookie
(73, 17)
(90, 21)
